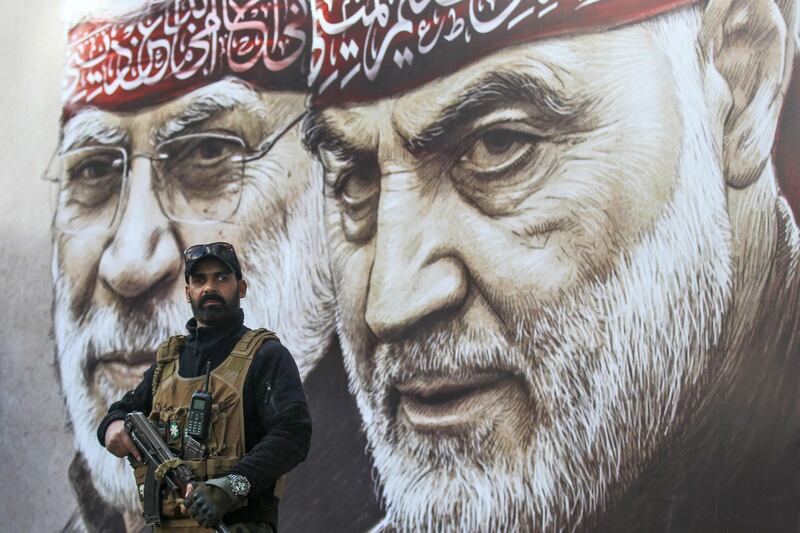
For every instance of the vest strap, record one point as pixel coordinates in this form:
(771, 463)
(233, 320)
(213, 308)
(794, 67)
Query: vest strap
(242, 354)
(251, 341)
(168, 351)
(244, 351)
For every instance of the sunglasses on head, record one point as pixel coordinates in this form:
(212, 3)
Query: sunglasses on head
(199, 250)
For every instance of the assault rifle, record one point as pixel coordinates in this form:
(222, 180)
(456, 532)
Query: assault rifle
(156, 453)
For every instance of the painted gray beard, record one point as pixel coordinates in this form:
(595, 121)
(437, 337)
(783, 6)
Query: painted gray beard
(650, 329)
(88, 394)
(464, 484)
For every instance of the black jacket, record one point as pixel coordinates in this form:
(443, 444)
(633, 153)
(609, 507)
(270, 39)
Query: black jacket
(276, 417)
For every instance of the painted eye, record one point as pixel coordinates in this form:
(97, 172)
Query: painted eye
(358, 195)
(96, 168)
(498, 149)
(354, 181)
(211, 149)
(359, 187)
(202, 150)
(93, 176)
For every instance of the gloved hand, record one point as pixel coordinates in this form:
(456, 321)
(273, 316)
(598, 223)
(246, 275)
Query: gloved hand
(208, 504)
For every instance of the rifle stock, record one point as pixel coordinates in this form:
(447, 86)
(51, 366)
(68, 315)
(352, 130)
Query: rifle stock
(155, 453)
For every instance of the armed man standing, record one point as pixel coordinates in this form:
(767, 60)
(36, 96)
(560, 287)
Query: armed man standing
(258, 426)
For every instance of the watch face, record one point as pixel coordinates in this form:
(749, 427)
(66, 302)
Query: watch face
(239, 484)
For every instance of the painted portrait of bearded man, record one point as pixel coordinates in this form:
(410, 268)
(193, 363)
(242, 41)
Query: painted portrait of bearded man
(181, 124)
(566, 279)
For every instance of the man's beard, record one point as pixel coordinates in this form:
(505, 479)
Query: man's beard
(612, 371)
(214, 315)
(293, 256)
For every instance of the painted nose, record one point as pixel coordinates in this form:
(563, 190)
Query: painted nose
(417, 278)
(143, 255)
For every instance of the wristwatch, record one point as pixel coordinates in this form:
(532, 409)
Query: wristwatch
(239, 484)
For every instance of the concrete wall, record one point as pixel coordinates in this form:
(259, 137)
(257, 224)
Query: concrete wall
(35, 447)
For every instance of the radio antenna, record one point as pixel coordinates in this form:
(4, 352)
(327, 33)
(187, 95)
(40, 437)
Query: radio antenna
(208, 375)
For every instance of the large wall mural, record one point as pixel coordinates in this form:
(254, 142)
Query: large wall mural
(535, 259)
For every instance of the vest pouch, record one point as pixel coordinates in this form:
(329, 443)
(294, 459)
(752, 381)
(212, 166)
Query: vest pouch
(217, 466)
(217, 429)
(169, 422)
(156, 420)
(176, 427)
(203, 469)
(198, 469)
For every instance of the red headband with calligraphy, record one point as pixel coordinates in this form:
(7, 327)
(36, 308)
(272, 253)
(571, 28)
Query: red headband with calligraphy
(124, 65)
(367, 49)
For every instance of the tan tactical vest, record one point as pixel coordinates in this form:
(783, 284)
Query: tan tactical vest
(171, 398)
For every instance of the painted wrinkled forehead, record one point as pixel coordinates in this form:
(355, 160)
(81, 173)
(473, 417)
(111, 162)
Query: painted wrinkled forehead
(170, 48)
(367, 49)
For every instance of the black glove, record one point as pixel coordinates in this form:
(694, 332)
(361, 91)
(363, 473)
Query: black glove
(208, 504)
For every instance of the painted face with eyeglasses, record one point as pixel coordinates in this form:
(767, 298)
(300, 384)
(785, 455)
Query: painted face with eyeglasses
(223, 163)
(196, 176)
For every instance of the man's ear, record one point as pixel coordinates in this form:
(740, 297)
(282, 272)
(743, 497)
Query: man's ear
(242, 288)
(751, 44)
(186, 290)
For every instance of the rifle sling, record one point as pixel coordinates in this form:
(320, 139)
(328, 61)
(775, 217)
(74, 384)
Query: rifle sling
(170, 464)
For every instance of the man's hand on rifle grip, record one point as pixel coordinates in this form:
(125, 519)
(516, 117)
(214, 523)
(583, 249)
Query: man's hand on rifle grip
(208, 503)
(118, 442)
(189, 488)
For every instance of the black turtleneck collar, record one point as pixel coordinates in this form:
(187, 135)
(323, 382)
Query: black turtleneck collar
(212, 343)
